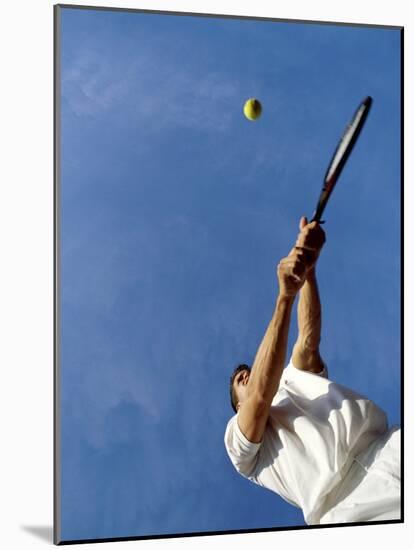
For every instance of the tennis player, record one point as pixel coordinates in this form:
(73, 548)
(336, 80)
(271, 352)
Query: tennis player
(319, 445)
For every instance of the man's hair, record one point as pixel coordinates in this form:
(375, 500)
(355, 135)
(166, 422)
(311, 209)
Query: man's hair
(233, 397)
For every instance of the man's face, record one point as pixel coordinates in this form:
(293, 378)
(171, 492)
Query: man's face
(240, 386)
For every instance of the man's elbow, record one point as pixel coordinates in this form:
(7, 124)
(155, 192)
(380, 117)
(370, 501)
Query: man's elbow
(307, 357)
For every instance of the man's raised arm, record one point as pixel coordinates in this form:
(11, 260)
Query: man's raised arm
(270, 358)
(305, 354)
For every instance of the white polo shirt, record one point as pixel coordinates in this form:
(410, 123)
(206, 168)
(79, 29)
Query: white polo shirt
(315, 429)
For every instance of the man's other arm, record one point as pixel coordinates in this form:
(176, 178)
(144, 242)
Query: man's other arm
(306, 354)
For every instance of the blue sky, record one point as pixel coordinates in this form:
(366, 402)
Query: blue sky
(175, 211)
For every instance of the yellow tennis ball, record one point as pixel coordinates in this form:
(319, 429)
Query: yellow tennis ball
(252, 109)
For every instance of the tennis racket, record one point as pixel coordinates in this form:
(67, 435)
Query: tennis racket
(340, 156)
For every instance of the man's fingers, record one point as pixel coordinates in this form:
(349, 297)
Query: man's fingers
(297, 254)
(306, 246)
(312, 239)
(294, 279)
(292, 269)
(290, 260)
(293, 265)
(297, 251)
(299, 269)
(306, 255)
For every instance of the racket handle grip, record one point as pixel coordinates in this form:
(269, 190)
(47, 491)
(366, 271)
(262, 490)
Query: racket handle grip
(316, 217)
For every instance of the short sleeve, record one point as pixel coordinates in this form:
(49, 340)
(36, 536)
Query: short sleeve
(242, 452)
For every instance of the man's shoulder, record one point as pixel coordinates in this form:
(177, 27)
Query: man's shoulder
(230, 423)
(234, 435)
(242, 452)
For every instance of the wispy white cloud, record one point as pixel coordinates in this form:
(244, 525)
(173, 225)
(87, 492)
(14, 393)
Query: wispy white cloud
(90, 87)
(146, 88)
